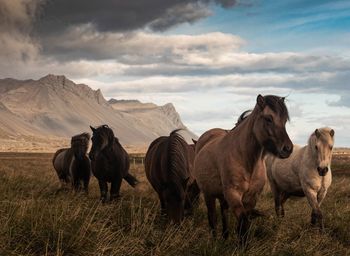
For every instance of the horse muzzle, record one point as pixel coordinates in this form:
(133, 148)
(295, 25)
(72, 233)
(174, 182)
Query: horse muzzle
(286, 151)
(322, 171)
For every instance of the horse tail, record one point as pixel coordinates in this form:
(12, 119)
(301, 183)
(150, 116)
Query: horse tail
(177, 158)
(131, 180)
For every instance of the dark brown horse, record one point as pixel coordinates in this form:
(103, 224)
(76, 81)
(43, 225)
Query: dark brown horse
(72, 164)
(230, 164)
(167, 169)
(109, 161)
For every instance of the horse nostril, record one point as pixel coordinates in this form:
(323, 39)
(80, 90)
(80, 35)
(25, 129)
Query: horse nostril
(322, 171)
(287, 148)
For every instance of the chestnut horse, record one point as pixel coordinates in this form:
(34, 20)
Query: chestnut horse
(167, 168)
(230, 165)
(109, 162)
(72, 164)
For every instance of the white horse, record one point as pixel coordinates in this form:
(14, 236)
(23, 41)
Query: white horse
(307, 172)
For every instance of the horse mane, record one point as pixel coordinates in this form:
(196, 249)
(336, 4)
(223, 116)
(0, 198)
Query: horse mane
(243, 116)
(277, 105)
(80, 140)
(177, 160)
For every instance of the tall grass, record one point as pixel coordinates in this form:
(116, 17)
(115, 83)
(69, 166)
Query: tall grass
(37, 219)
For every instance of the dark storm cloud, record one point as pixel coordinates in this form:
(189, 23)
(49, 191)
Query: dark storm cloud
(123, 15)
(16, 23)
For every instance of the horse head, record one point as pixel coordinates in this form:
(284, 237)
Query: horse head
(102, 137)
(321, 143)
(80, 145)
(271, 115)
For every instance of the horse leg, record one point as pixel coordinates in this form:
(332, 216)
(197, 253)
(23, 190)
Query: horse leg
(162, 204)
(234, 200)
(192, 197)
(115, 188)
(249, 202)
(103, 189)
(283, 198)
(316, 214)
(76, 184)
(86, 185)
(211, 207)
(224, 211)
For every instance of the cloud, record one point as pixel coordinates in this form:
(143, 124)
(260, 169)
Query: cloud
(182, 13)
(139, 48)
(121, 16)
(344, 100)
(16, 24)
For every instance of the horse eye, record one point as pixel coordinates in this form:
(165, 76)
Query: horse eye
(316, 147)
(268, 119)
(330, 147)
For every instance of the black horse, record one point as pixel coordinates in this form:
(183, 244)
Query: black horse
(109, 162)
(72, 164)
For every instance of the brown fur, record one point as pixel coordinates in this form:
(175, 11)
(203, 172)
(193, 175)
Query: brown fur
(167, 169)
(72, 164)
(192, 195)
(230, 165)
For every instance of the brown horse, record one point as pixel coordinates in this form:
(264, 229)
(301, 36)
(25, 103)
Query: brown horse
(216, 132)
(167, 169)
(72, 164)
(109, 161)
(230, 165)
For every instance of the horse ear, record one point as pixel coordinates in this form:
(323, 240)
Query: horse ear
(317, 133)
(92, 128)
(331, 132)
(283, 98)
(260, 101)
(194, 141)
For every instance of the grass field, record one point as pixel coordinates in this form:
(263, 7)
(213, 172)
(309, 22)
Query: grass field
(36, 219)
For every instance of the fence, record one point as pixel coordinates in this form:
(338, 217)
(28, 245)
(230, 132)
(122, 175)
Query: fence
(136, 159)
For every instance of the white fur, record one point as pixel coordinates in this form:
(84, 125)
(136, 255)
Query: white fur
(299, 174)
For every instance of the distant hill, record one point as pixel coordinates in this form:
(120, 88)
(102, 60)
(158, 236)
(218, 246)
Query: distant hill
(54, 108)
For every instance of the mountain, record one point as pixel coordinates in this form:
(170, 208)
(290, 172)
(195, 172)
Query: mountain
(55, 108)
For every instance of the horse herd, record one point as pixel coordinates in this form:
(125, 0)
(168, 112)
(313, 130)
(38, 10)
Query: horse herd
(229, 165)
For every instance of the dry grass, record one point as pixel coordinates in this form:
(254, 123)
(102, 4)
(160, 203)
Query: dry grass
(37, 220)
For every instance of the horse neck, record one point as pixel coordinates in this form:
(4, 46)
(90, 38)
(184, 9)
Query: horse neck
(243, 140)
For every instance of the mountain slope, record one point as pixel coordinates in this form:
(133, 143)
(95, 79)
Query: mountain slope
(54, 106)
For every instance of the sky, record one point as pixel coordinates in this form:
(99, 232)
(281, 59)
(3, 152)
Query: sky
(210, 58)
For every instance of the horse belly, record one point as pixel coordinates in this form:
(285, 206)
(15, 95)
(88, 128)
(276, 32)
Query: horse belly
(103, 171)
(284, 176)
(59, 163)
(208, 180)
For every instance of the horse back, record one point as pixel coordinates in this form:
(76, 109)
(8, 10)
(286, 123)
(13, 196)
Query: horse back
(208, 136)
(155, 162)
(167, 161)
